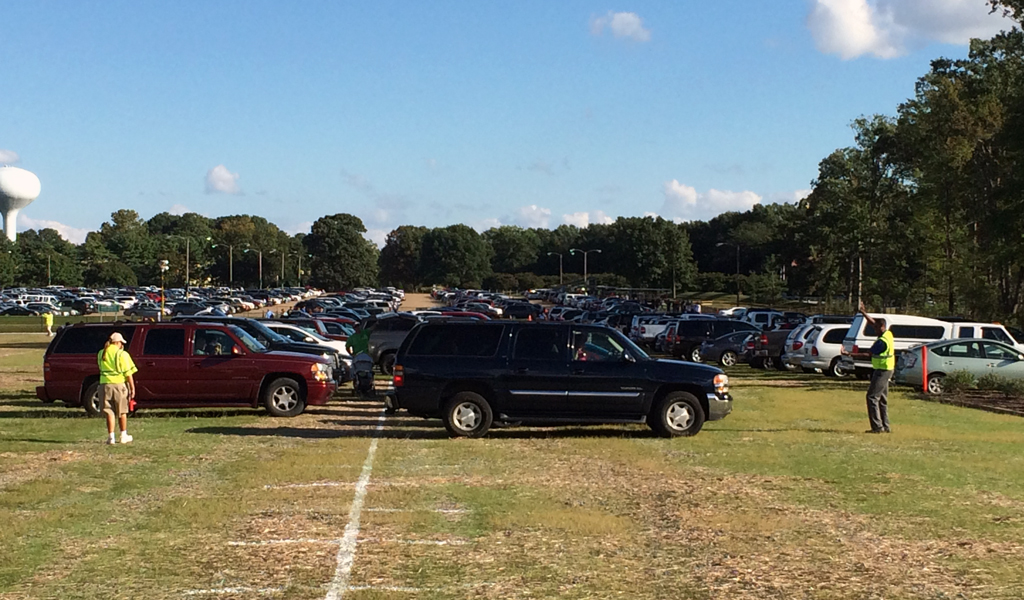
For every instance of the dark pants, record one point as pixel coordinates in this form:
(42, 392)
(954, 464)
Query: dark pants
(878, 397)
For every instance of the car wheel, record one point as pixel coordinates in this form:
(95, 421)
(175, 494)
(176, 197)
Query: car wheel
(936, 384)
(91, 401)
(757, 363)
(835, 369)
(807, 370)
(468, 414)
(387, 363)
(284, 398)
(678, 414)
(727, 359)
(695, 355)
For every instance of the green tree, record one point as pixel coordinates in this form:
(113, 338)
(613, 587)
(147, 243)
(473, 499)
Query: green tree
(455, 255)
(47, 258)
(514, 248)
(650, 252)
(400, 257)
(127, 237)
(342, 258)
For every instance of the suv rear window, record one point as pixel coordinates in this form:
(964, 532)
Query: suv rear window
(835, 336)
(463, 339)
(914, 332)
(88, 340)
(394, 324)
(540, 343)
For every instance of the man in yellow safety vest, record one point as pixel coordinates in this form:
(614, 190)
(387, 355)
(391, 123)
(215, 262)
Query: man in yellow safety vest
(883, 363)
(117, 385)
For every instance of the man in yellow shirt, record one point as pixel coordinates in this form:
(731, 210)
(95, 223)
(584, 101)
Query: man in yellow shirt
(117, 385)
(883, 363)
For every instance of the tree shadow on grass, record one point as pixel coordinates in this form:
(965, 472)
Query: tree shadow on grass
(778, 430)
(40, 345)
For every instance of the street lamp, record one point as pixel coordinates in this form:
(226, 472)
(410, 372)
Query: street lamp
(719, 245)
(573, 251)
(163, 264)
(260, 253)
(231, 261)
(559, 265)
(188, 242)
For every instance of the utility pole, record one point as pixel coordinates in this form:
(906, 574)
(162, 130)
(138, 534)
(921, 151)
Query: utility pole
(559, 265)
(573, 251)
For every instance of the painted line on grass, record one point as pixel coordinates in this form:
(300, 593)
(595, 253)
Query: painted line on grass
(308, 485)
(455, 542)
(233, 590)
(443, 511)
(349, 540)
(286, 541)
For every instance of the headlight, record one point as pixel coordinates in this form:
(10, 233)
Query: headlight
(721, 383)
(321, 372)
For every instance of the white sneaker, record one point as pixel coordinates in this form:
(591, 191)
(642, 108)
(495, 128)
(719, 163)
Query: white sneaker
(111, 440)
(125, 438)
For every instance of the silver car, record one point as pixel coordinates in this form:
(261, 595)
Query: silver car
(823, 349)
(979, 357)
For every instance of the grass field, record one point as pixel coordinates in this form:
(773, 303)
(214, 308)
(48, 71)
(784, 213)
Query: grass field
(785, 498)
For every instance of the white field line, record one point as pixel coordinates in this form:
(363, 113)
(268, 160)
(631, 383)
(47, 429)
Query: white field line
(286, 541)
(308, 485)
(390, 588)
(443, 511)
(348, 543)
(232, 590)
(412, 542)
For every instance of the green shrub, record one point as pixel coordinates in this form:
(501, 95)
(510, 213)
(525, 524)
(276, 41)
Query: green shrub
(959, 381)
(1010, 387)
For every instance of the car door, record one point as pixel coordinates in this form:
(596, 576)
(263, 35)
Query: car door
(605, 382)
(163, 367)
(537, 379)
(219, 368)
(1003, 360)
(961, 356)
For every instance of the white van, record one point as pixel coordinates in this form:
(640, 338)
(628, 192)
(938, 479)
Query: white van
(988, 331)
(907, 331)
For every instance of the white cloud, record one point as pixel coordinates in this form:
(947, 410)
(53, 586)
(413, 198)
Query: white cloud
(302, 227)
(887, 28)
(585, 219)
(622, 25)
(71, 234)
(8, 157)
(178, 209)
(221, 181)
(787, 197)
(533, 216)
(377, 236)
(684, 203)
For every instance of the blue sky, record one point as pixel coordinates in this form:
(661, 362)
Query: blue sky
(527, 113)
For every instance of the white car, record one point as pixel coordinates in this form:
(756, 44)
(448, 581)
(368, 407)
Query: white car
(298, 334)
(793, 350)
(823, 350)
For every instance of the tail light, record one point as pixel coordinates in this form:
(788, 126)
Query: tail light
(798, 345)
(856, 349)
(399, 376)
(643, 330)
(750, 345)
(814, 350)
(764, 340)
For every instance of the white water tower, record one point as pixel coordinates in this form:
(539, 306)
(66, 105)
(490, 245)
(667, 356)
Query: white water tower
(18, 188)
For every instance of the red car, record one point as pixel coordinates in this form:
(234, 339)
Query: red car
(187, 365)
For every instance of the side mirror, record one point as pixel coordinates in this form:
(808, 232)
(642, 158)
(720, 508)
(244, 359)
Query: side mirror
(628, 358)
(236, 351)
(310, 340)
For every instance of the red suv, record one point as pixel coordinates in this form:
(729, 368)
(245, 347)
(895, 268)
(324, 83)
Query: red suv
(186, 365)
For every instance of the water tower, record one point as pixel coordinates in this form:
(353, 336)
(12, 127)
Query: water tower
(18, 188)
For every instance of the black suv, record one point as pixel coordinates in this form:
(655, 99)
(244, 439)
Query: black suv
(691, 333)
(472, 374)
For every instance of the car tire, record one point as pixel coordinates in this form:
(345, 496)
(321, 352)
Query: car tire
(467, 414)
(936, 384)
(835, 369)
(678, 414)
(807, 370)
(757, 363)
(387, 363)
(91, 401)
(284, 398)
(695, 355)
(728, 359)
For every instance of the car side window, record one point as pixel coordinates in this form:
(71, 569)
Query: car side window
(963, 350)
(997, 352)
(994, 333)
(211, 342)
(164, 342)
(595, 346)
(539, 343)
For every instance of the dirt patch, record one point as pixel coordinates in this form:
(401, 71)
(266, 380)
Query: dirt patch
(996, 402)
(21, 467)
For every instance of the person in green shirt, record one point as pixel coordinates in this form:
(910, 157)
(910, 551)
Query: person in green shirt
(358, 342)
(883, 363)
(117, 385)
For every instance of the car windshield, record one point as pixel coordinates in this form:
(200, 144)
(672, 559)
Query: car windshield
(250, 343)
(632, 348)
(264, 332)
(313, 334)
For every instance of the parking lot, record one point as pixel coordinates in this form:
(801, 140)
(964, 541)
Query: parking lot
(785, 498)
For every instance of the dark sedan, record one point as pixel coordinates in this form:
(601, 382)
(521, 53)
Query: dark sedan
(725, 350)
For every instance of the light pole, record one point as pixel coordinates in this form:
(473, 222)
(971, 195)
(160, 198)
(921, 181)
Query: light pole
(231, 262)
(48, 282)
(719, 245)
(260, 253)
(299, 270)
(163, 269)
(573, 251)
(559, 265)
